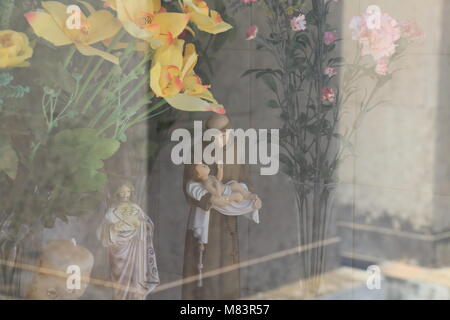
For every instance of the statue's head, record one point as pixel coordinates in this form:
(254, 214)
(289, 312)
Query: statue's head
(220, 122)
(125, 191)
(200, 171)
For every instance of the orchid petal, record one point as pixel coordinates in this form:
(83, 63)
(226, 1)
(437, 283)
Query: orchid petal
(91, 51)
(46, 27)
(208, 24)
(190, 59)
(185, 102)
(170, 54)
(57, 11)
(170, 22)
(103, 26)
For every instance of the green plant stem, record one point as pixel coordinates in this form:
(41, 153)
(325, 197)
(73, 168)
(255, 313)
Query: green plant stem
(69, 56)
(117, 38)
(116, 114)
(100, 86)
(97, 91)
(6, 9)
(138, 119)
(144, 115)
(138, 87)
(122, 84)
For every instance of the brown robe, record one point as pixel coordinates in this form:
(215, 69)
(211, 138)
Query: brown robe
(222, 249)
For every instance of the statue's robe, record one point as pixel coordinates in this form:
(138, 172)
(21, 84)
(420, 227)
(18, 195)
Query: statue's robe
(131, 254)
(222, 249)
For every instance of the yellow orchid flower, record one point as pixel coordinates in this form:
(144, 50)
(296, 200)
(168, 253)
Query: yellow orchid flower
(14, 49)
(206, 19)
(149, 21)
(172, 77)
(167, 64)
(51, 25)
(192, 83)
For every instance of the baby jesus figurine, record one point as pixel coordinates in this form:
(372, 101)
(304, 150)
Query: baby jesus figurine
(223, 195)
(231, 199)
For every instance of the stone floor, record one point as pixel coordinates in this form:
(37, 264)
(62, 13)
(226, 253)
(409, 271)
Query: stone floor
(408, 282)
(399, 281)
(343, 283)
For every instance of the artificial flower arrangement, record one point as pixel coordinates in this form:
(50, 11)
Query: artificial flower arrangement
(312, 87)
(72, 86)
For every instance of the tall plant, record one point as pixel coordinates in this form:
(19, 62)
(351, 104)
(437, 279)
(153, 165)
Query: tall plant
(312, 87)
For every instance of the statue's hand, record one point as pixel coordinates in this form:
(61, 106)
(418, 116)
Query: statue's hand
(135, 221)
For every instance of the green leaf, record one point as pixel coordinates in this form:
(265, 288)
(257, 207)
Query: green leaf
(273, 104)
(91, 162)
(268, 79)
(286, 164)
(8, 159)
(87, 180)
(77, 155)
(302, 119)
(122, 137)
(105, 148)
(303, 40)
(248, 72)
(313, 129)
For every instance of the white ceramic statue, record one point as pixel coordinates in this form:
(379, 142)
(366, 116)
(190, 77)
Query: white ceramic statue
(127, 232)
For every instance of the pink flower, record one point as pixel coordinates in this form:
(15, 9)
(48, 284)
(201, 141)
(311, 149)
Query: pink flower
(330, 71)
(252, 31)
(411, 31)
(248, 1)
(298, 23)
(382, 67)
(328, 96)
(329, 38)
(378, 42)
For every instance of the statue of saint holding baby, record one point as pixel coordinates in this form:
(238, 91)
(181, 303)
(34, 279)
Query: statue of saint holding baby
(217, 195)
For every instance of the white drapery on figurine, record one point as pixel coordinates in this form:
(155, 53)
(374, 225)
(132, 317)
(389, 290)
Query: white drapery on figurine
(199, 222)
